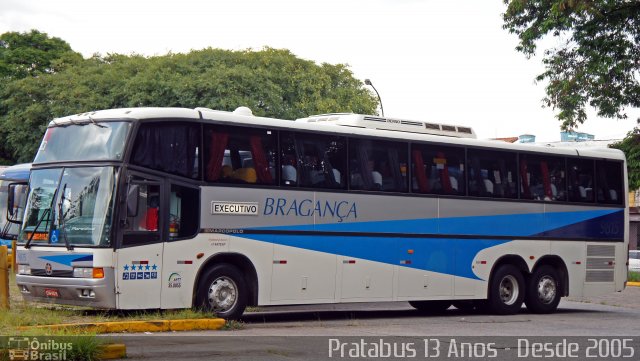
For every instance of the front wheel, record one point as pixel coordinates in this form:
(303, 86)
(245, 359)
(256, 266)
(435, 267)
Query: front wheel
(222, 290)
(506, 291)
(543, 290)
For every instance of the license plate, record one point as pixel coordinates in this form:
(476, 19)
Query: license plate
(51, 293)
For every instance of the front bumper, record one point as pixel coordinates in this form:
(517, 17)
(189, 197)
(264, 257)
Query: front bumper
(89, 292)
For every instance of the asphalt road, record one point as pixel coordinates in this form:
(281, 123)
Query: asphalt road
(311, 332)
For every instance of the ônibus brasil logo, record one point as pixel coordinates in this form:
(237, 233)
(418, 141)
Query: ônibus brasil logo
(34, 349)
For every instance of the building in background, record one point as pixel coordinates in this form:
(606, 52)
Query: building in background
(575, 137)
(524, 138)
(527, 138)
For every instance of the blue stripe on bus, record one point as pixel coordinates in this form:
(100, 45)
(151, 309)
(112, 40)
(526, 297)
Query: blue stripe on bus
(583, 224)
(607, 226)
(435, 254)
(67, 259)
(447, 256)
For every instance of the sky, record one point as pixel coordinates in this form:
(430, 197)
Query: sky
(433, 60)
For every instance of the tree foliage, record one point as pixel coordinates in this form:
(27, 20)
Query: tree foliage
(29, 54)
(598, 60)
(272, 82)
(32, 54)
(630, 145)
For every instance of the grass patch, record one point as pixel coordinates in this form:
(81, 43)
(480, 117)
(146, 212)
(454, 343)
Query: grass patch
(24, 313)
(634, 276)
(232, 325)
(84, 348)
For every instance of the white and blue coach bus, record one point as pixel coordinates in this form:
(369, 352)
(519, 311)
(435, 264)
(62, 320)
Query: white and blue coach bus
(11, 177)
(176, 208)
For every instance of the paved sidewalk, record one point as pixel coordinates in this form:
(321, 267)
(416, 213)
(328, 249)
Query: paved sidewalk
(629, 298)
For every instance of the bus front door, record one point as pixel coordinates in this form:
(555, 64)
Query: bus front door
(139, 257)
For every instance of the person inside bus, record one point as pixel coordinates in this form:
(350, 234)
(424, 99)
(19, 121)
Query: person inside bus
(586, 188)
(376, 176)
(375, 179)
(337, 176)
(536, 187)
(316, 173)
(289, 171)
(150, 220)
(486, 182)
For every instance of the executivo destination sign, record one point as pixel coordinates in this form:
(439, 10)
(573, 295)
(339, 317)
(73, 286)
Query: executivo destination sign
(235, 208)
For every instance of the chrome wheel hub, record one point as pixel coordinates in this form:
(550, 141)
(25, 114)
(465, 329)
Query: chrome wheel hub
(509, 290)
(223, 294)
(547, 289)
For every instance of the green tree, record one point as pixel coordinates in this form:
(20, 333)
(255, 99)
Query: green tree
(597, 61)
(32, 54)
(272, 82)
(29, 54)
(630, 145)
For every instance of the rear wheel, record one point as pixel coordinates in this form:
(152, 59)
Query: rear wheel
(506, 291)
(223, 291)
(543, 290)
(430, 306)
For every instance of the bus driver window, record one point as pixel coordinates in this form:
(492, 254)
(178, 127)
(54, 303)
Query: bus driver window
(146, 217)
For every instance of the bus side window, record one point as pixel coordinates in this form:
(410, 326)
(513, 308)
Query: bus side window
(239, 155)
(168, 147)
(378, 165)
(312, 161)
(581, 173)
(183, 212)
(542, 178)
(609, 181)
(438, 169)
(142, 226)
(492, 174)
(147, 215)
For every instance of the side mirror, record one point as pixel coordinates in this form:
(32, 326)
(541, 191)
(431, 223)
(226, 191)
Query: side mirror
(133, 198)
(16, 201)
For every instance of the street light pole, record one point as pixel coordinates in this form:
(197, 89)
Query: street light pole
(368, 82)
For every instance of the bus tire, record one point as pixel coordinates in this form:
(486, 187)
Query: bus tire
(430, 306)
(506, 291)
(543, 290)
(223, 291)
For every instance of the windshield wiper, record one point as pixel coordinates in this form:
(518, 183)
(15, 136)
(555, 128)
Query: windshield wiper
(5, 230)
(61, 222)
(44, 214)
(93, 121)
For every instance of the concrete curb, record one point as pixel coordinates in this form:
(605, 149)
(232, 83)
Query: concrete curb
(633, 284)
(139, 326)
(112, 351)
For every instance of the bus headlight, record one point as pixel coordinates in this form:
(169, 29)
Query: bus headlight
(24, 269)
(85, 272)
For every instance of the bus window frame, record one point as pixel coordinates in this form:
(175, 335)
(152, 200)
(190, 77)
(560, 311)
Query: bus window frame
(123, 218)
(351, 137)
(174, 182)
(11, 198)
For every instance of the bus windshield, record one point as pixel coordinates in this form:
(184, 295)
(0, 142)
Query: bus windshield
(70, 206)
(100, 141)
